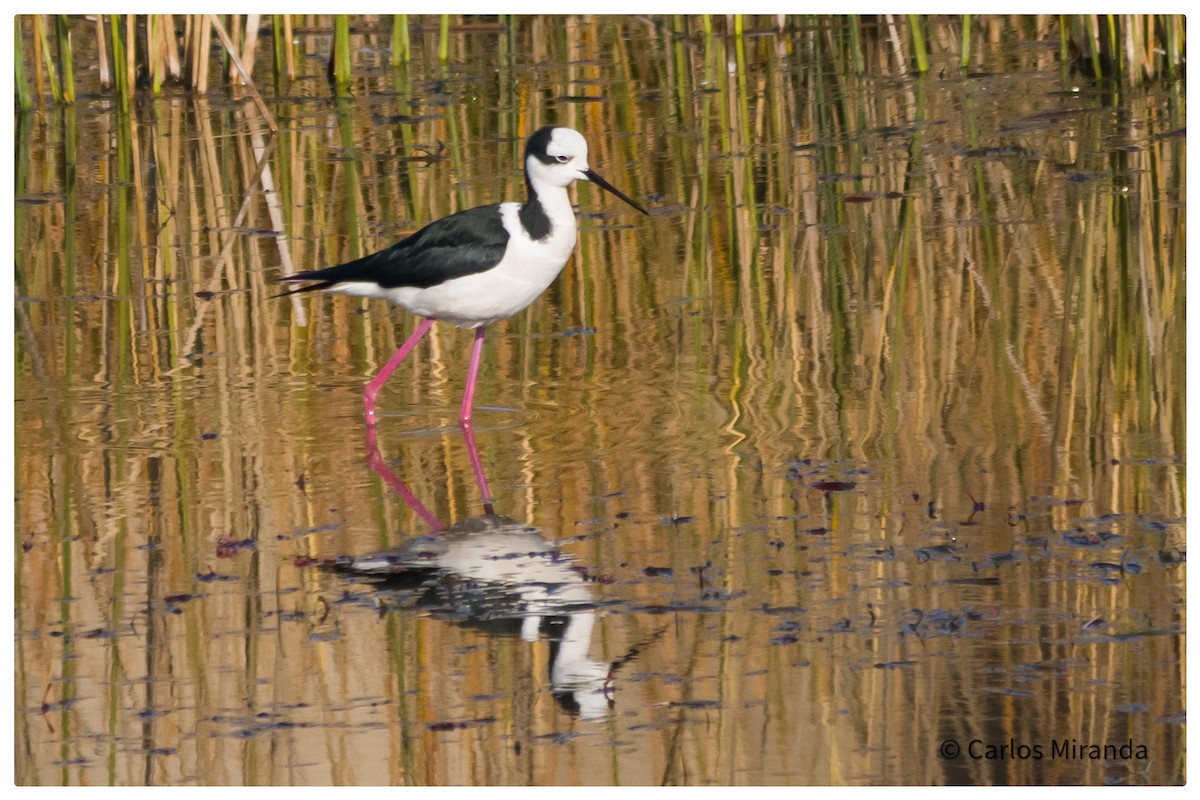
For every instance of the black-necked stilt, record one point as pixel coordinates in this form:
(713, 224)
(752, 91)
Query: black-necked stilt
(478, 266)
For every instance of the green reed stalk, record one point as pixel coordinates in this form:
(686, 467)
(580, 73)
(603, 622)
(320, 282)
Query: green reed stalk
(70, 239)
(22, 135)
(130, 54)
(349, 197)
(114, 697)
(983, 192)
(444, 39)
(401, 43)
(1078, 325)
(341, 54)
(724, 126)
(900, 259)
(704, 160)
(509, 124)
(1116, 52)
(402, 81)
(352, 180)
(43, 42)
(455, 147)
(856, 48)
(623, 103)
(65, 56)
(918, 43)
(965, 64)
(1095, 47)
(163, 145)
(1172, 28)
(679, 28)
(165, 51)
(24, 95)
(156, 35)
(401, 638)
(279, 45)
(125, 248)
(64, 536)
(832, 214)
(743, 97)
(119, 74)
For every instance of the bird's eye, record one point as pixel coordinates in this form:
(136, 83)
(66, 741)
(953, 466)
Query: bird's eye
(562, 159)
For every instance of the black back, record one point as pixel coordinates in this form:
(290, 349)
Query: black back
(461, 244)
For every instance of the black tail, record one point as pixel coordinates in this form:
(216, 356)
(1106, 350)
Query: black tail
(360, 269)
(303, 276)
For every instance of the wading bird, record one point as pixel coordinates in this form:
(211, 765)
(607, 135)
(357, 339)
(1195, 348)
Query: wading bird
(477, 266)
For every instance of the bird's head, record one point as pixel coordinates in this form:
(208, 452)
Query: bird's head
(559, 157)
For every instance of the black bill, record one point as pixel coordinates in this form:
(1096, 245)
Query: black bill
(608, 187)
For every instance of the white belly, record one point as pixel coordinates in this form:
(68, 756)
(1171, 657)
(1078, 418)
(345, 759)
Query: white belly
(527, 269)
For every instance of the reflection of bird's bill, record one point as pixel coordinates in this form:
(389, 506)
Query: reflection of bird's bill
(608, 187)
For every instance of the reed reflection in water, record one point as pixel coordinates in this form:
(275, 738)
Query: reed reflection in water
(870, 438)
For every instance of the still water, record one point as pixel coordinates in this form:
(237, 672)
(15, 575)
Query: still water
(860, 460)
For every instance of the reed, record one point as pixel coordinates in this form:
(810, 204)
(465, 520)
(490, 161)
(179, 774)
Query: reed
(443, 49)
(1128, 48)
(918, 43)
(854, 25)
(965, 61)
(242, 58)
(156, 37)
(283, 50)
(62, 33)
(20, 78)
(401, 43)
(199, 38)
(243, 69)
(123, 82)
(339, 60)
(823, 284)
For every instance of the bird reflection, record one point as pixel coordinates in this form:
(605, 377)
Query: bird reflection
(498, 575)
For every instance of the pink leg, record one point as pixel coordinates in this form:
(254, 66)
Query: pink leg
(375, 459)
(477, 467)
(464, 420)
(464, 414)
(372, 390)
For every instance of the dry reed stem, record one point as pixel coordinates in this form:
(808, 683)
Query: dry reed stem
(237, 63)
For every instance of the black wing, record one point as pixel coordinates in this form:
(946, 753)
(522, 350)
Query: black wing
(461, 244)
